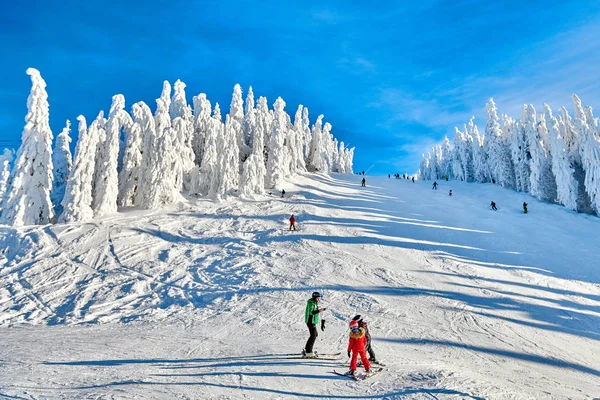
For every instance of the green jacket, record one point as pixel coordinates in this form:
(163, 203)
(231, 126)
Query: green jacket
(311, 315)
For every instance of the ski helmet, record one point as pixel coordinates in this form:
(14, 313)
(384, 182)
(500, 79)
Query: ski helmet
(316, 294)
(353, 325)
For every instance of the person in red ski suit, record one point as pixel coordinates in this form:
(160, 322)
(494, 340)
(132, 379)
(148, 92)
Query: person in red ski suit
(356, 346)
(292, 222)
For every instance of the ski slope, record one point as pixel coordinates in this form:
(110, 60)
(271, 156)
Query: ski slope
(202, 300)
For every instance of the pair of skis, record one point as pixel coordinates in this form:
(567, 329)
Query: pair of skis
(323, 357)
(360, 376)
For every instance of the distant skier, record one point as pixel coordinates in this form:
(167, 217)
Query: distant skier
(435, 185)
(356, 347)
(368, 347)
(388, 176)
(363, 182)
(311, 318)
(446, 178)
(282, 193)
(363, 173)
(413, 179)
(292, 222)
(524, 208)
(493, 206)
(450, 194)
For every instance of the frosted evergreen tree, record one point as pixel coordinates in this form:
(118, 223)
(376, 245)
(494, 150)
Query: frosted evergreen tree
(276, 161)
(77, 202)
(5, 163)
(130, 175)
(307, 134)
(99, 128)
(326, 147)
(317, 161)
(300, 144)
(254, 170)
(217, 176)
(590, 151)
(263, 125)
(519, 147)
(498, 151)
(202, 111)
(335, 157)
(341, 155)
(146, 194)
(561, 166)
(229, 168)
(447, 158)
(458, 170)
(466, 155)
(249, 122)
(425, 167)
(183, 131)
(217, 113)
(107, 179)
(236, 113)
(349, 160)
(27, 200)
(481, 167)
(62, 162)
(210, 158)
(543, 182)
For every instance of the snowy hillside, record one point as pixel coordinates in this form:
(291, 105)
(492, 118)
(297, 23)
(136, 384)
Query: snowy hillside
(202, 299)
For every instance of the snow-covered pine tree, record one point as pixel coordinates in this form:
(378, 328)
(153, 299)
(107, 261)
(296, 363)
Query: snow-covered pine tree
(327, 145)
(77, 202)
(307, 135)
(542, 181)
(341, 155)
(210, 159)
(27, 200)
(107, 178)
(589, 149)
(276, 161)
(447, 158)
(229, 163)
(349, 160)
(62, 162)
(202, 110)
(215, 179)
(130, 175)
(217, 113)
(317, 161)
(481, 166)
(183, 131)
(519, 147)
(264, 125)
(5, 163)
(236, 113)
(498, 152)
(253, 177)
(457, 160)
(466, 155)
(249, 122)
(561, 167)
(300, 145)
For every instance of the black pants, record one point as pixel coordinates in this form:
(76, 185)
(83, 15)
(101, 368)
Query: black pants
(370, 350)
(312, 328)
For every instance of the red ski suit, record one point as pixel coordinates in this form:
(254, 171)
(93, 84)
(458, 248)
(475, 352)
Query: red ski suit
(356, 345)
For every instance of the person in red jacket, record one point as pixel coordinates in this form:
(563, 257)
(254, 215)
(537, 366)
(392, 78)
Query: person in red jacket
(356, 346)
(292, 222)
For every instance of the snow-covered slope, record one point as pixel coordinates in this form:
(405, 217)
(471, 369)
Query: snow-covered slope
(201, 300)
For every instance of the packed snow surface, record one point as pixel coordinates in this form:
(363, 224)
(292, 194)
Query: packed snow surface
(202, 300)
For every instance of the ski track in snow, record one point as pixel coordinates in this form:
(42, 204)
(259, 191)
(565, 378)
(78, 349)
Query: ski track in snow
(203, 299)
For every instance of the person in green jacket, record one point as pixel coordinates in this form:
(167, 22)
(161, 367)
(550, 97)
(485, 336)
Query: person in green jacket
(311, 318)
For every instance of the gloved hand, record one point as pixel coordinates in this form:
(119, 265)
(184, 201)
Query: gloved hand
(348, 354)
(323, 325)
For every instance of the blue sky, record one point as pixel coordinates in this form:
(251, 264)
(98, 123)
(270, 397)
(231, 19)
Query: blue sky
(391, 77)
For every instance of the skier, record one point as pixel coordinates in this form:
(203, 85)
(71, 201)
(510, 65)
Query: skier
(524, 208)
(493, 205)
(282, 193)
(388, 176)
(435, 185)
(368, 347)
(311, 318)
(450, 194)
(356, 347)
(413, 179)
(292, 222)
(363, 182)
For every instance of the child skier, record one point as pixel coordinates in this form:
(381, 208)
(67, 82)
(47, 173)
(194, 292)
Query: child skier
(435, 185)
(368, 347)
(292, 222)
(450, 194)
(356, 346)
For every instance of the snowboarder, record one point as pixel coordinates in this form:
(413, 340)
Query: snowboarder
(524, 208)
(282, 193)
(292, 222)
(368, 347)
(450, 194)
(356, 347)
(435, 185)
(311, 318)
(493, 205)
(363, 182)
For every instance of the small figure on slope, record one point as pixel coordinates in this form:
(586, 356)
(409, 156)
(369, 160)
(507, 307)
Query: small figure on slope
(435, 185)
(524, 208)
(311, 318)
(493, 206)
(356, 347)
(282, 193)
(292, 222)
(363, 182)
(450, 194)
(413, 179)
(362, 324)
